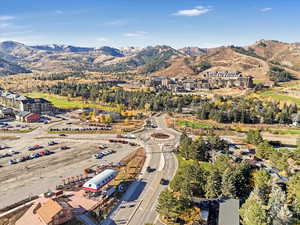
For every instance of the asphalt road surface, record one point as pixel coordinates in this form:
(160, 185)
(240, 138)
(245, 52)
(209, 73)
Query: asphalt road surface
(139, 203)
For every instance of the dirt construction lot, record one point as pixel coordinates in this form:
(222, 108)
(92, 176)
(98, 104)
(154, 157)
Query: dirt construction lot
(38, 175)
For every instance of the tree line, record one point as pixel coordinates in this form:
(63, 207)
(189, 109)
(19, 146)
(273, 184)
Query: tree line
(60, 76)
(224, 178)
(249, 111)
(279, 74)
(264, 201)
(103, 92)
(279, 158)
(272, 203)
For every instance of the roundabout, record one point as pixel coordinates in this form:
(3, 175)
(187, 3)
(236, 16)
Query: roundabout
(161, 136)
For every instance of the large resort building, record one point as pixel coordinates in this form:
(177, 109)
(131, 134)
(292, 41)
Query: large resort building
(226, 79)
(203, 81)
(25, 104)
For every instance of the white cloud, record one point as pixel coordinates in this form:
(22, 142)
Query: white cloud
(120, 22)
(265, 9)
(197, 11)
(5, 18)
(4, 25)
(59, 12)
(102, 39)
(136, 34)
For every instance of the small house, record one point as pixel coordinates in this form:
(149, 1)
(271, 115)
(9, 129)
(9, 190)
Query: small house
(54, 213)
(27, 117)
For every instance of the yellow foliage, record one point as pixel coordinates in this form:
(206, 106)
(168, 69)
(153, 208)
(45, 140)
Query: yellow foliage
(191, 215)
(198, 138)
(252, 180)
(217, 102)
(283, 173)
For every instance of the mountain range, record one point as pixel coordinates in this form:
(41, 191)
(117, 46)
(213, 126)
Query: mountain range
(160, 60)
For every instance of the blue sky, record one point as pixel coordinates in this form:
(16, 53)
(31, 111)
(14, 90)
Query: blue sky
(178, 23)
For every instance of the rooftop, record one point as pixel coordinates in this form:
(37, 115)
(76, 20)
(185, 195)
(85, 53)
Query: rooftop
(49, 210)
(229, 212)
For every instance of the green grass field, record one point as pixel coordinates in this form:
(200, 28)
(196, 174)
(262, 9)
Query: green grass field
(280, 97)
(288, 131)
(182, 163)
(186, 123)
(65, 103)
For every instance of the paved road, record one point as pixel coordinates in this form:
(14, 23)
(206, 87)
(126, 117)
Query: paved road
(139, 202)
(86, 219)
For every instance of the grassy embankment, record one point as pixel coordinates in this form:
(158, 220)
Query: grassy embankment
(272, 94)
(183, 163)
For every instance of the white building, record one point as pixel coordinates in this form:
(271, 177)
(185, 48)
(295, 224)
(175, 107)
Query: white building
(100, 180)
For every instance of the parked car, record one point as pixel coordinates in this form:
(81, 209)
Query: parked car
(98, 156)
(102, 147)
(22, 159)
(27, 157)
(12, 152)
(47, 152)
(105, 153)
(164, 181)
(12, 161)
(64, 147)
(7, 155)
(62, 135)
(51, 143)
(132, 144)
(35, 155)
(35, 147)
(149, 169)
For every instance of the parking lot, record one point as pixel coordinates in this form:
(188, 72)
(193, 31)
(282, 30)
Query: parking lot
(38, 174)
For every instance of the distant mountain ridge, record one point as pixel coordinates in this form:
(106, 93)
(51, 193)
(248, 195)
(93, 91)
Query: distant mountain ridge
(8, 68)
(160, 60)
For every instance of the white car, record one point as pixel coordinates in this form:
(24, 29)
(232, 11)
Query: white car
(13, 152)
(12, 161)
(98, 156)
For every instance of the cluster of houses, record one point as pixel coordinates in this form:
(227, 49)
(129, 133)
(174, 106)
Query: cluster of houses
(59, 206)
(203, 81)
(24, 109)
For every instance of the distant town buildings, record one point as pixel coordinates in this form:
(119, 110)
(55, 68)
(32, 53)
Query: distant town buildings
(226, 79)
(204, 81)
(27, 117)
(25, 104)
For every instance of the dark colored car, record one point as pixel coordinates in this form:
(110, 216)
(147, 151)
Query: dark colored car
(164, 181)
(149, 170)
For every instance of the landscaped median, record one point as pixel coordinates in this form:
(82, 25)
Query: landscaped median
(18, 131)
